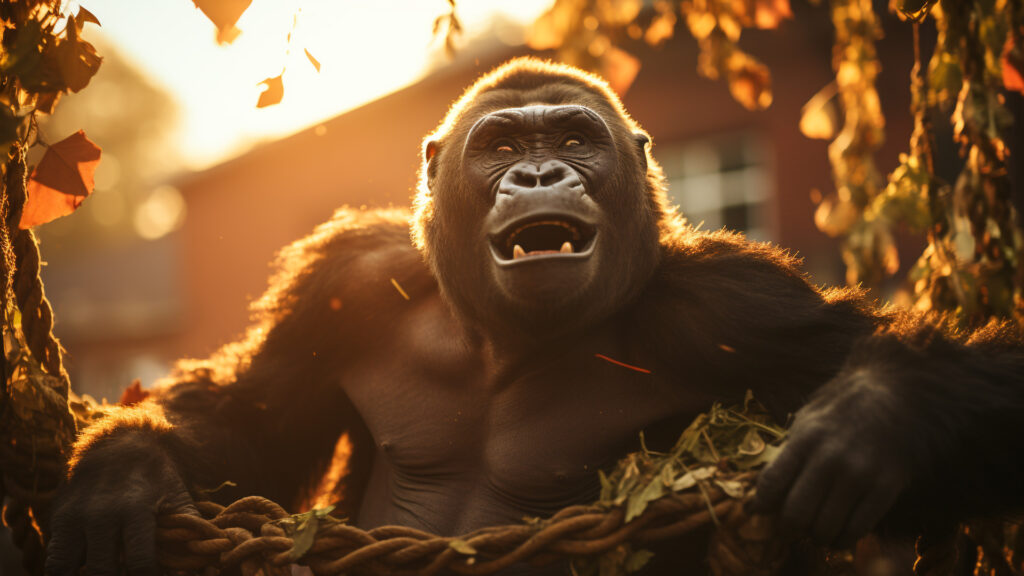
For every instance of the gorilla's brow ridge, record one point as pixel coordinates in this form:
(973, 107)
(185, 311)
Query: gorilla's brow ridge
(515, 117)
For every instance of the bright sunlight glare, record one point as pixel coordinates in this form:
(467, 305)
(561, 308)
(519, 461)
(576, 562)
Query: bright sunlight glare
(366, 48)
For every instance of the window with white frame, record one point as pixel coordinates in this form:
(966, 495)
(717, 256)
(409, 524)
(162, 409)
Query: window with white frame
(721, 182)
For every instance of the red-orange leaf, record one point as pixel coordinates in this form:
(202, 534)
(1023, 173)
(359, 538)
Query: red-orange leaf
(1013, 65)
(273, 93)
(133, 394)
(61, 181)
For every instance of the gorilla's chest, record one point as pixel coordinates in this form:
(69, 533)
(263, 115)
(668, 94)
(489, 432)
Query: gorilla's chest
(459, 451)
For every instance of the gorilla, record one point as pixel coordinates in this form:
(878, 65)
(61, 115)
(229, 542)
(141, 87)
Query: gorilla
(550, 306)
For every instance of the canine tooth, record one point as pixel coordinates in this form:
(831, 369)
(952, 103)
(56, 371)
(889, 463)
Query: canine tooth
(518, 252)
(566, 248)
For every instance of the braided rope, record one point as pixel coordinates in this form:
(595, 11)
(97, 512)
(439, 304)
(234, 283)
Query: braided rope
(36, 312)
(31, 460)
(250, 536)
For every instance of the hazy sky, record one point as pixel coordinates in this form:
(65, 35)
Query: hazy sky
(366, 48)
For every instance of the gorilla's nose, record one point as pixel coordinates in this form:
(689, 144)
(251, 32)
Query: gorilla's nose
(529, 177)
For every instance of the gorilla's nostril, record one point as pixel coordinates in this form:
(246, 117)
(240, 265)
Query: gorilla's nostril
(553, 176)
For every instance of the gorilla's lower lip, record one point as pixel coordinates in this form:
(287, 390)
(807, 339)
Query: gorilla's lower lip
(542, 238)
(544, 255)
(580, 248)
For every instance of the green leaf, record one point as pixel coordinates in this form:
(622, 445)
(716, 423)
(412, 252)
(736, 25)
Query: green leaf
(690, 479)
(637, 560)
(638, 501)
(462, 547)
(302, 529)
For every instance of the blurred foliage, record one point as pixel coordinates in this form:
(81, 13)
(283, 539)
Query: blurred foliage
(587, 33)
(971, 265)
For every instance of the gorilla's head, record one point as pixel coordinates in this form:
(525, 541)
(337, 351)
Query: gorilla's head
(539, 206)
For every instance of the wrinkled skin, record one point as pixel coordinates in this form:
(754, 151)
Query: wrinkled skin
(541, 243)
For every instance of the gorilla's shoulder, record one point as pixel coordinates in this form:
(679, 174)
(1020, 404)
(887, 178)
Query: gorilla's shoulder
(724, 253)
(357, 254)
(726, 269)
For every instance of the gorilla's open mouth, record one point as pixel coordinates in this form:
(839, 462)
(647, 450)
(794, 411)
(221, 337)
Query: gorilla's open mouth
(556, 236)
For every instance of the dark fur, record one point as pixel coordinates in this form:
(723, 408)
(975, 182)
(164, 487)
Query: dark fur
(715, 312)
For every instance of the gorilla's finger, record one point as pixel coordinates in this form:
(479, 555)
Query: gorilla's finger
(870, 511)
(806, 497)
(66, 549)
(102, 546)
(837, 508)
(140, 544)
(774, 481)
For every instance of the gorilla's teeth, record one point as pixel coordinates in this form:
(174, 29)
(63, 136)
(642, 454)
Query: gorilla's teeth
(518, 252)
(566, 248)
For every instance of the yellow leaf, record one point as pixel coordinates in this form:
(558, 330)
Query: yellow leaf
(818, 117)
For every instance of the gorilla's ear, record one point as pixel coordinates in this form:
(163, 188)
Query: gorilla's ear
(642, 140)
(430, 148)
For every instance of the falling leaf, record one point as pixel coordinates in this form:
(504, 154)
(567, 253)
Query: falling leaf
(620, 69)
(623, 364)
(61, 181)
(273, 93)
(399, 288)
(224, 14)
(133, 394)
(312, 60)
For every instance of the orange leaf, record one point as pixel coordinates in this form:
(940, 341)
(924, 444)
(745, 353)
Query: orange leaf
(133, 394)
(224, 14)
(61, 181)
(273, 93)
(313, 61)
(1013, 65)
(768, 13)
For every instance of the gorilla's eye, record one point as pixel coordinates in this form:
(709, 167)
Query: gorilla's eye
(573, 142)
(504, 147)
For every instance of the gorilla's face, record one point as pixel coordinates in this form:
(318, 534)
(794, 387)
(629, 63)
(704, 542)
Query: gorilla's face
(543, 167)
(537, 213)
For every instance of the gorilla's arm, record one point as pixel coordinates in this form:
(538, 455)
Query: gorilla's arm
(263, 413)
(902, 417)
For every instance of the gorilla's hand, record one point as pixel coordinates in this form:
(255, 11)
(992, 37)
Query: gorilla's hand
(845, 463)
(108, 509)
